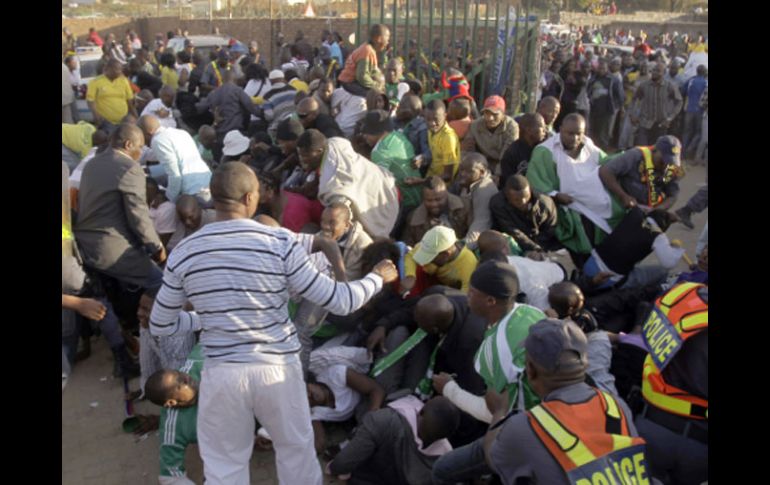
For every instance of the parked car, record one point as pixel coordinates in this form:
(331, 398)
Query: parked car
(204, 44)
(88, 60)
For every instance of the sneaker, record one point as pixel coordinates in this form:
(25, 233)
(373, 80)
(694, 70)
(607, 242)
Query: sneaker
(684, 217)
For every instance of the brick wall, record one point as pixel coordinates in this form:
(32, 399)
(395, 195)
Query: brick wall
(103, 25)
(651, 22)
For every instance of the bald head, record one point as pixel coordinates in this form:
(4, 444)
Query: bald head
(231, 182)
(167, 94)
(307, 111)
(493, 242)
(207, 135)
(149, 125)
(128, 139)
(307, 105)
(434, 314)
(565, 298)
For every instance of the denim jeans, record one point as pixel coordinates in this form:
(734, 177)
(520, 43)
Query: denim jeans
(463, 464)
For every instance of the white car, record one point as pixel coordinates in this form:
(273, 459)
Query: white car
(203, 43)
(88, 60)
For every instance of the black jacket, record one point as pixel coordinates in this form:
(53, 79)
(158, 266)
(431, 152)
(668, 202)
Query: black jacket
(533, 231)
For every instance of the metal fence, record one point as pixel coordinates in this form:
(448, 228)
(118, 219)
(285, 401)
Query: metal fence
(497, 39)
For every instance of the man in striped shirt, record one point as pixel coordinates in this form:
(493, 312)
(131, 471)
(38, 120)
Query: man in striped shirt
(237, 274)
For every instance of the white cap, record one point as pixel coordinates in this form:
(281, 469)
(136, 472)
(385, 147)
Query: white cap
(276, 74)
(235, 143)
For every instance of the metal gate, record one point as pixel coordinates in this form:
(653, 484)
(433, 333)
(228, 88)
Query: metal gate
(497, 40)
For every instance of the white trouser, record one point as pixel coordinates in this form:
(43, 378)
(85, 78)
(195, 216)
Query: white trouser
(231, 396)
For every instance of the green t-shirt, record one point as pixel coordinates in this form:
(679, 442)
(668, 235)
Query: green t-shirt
(178, 426)
(501, 358)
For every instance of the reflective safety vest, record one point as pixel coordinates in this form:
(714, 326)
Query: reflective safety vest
(648, 174)
(591, 441)
(678, 315)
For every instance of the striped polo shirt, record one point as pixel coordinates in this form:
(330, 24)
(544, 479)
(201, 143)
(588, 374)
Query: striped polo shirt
(238, 275)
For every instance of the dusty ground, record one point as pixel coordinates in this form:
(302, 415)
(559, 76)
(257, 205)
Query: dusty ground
(95, 450)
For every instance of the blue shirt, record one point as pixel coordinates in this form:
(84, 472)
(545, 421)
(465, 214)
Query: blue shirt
(336, 53)
(178, 154)
(694, 89)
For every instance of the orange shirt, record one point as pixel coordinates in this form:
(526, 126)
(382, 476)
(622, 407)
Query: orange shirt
(461, 127)
(363, 52)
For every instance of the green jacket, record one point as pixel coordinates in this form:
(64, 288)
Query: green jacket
(395, 153)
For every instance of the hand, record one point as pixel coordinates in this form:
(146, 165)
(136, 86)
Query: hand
(412, 180)
(600, 278)
(160, 256)
(440, 381)
(665, 124)
(263, 444)
(417, 161)
(407, 284)
(628, 202)
(497, 403)
(386, 270)
(376, 339)
(163, 113)
(535, 255)
(634, 120)
(147, 423)
(91, 309)
(563, 199)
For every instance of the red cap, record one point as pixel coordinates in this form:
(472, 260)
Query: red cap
(494, 103)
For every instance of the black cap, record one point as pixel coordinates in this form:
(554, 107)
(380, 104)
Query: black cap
(289, 130)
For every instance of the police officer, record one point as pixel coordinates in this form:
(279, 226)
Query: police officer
(578, 434)
(645, 176)
(674, 421)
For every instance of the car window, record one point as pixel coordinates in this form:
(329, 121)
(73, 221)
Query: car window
(88, 69)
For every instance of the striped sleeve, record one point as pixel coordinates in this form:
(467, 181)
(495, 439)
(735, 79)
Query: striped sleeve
(337, 297)
(164, 319)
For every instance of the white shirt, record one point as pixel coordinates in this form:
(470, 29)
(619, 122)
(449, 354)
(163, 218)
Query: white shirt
(345, 398)
(350, 109)
(579, 178)
(155, 107)
(535, 278)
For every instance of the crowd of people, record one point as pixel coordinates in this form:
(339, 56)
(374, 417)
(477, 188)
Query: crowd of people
(343, 242)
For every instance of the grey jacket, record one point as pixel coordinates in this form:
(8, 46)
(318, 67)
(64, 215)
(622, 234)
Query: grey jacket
(114, 231)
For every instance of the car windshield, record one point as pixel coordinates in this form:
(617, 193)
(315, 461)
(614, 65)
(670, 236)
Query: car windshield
(88, 69)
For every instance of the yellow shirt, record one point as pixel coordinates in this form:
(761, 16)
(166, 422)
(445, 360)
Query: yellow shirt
(299, 85)
(445, 150)
(169, 77)
(697, 47)
(456, 273)
(78, 137)
(110, 98)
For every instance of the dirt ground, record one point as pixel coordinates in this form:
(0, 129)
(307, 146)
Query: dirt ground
(95, 450)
